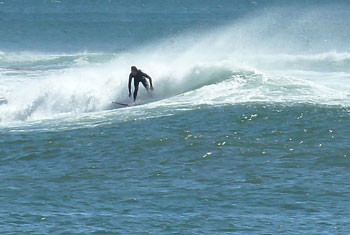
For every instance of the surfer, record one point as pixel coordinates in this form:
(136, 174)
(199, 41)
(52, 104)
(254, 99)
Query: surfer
(138, 76)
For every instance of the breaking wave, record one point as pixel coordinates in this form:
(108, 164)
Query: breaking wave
(240, 62)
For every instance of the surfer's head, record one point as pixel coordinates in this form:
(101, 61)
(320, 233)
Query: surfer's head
(134, 70)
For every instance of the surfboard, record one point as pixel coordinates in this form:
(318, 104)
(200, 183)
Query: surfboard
(114, 102)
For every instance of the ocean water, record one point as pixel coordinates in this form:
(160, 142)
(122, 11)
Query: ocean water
(246, 132)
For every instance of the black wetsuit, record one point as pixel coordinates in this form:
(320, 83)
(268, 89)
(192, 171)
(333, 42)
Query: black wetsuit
(139, 77)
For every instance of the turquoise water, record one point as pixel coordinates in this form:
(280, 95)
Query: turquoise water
(247, 130)
(231, 169)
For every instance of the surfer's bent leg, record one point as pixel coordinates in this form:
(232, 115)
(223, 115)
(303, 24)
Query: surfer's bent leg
(136, 85)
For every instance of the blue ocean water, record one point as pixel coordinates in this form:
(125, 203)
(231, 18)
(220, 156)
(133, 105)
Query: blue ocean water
(246, 132)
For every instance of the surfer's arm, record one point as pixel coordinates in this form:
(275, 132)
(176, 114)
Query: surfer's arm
(129, 85)
(150, 82)
(149, 78)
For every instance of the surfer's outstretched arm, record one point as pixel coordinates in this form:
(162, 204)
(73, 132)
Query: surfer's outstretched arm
(149, 78)
(129, 85)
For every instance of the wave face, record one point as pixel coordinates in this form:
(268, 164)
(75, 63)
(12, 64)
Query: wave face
(253, 59)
